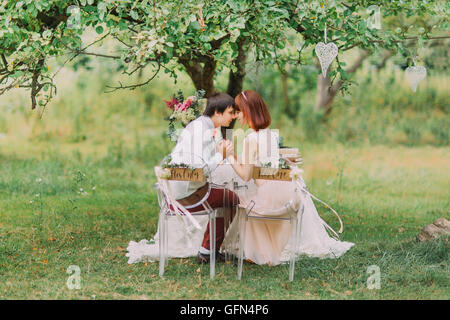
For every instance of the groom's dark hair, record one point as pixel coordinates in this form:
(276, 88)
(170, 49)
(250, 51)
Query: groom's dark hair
(218, 102)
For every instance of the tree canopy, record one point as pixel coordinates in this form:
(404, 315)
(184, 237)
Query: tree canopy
(199, 37)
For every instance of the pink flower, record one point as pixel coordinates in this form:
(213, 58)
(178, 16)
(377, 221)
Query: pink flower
(178, 106)
(185, 106)
(172, 103)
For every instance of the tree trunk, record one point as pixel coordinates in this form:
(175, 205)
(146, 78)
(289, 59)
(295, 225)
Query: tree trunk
(236, 79)
(202, 75)
(203, 69)
(384, 60)
(326, 93)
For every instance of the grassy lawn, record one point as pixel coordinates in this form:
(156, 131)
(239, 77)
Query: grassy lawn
(62, 206)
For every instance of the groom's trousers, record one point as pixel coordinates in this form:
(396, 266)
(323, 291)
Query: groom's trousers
(218, 198)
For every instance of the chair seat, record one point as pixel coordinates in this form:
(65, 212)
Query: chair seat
(279, 213)
(219, 212)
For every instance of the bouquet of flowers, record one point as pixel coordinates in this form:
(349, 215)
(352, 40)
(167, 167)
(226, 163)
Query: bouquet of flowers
(184, 110)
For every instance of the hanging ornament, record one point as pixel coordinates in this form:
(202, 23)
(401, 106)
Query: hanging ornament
(326, 52)
(415, 75)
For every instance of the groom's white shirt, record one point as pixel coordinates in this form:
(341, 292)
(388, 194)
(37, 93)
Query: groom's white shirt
(195, 142)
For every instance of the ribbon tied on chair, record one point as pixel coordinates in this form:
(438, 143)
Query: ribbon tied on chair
(296, 175)
(164, 175)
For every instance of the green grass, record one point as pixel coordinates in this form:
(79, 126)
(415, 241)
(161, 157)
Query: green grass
(48, 225)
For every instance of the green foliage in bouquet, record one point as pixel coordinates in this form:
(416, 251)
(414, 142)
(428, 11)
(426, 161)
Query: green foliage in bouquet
(183, 111)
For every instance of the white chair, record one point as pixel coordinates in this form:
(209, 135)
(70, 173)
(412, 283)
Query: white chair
(292, 211)
(170, 206)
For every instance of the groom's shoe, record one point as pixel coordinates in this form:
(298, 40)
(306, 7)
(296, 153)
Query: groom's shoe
(204, 258)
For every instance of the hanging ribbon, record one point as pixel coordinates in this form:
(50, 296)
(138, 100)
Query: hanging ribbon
(177, 207)
(296, 178)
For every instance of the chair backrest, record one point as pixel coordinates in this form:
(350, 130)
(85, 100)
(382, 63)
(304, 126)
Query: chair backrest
(187, 174)
(274, 174)
(181, 174)
(196, 170)
(291, 155)
(271, 174)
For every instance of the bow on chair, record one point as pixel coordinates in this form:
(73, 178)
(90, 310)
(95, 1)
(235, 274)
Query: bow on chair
(296, 175)
(163, 177)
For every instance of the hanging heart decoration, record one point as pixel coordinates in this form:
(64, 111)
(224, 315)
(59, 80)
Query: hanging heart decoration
(414, 75)
(326, 54)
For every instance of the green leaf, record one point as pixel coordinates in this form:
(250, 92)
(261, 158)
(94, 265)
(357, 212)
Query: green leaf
(134, 15)
(219, 34)
(123, 25)
(281, 45)
(99, 29)
(195, 25)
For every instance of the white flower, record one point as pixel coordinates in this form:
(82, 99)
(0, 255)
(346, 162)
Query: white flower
(38, 180)
(296, 173)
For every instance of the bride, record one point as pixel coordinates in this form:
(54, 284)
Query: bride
(266, 242)
(269, 241)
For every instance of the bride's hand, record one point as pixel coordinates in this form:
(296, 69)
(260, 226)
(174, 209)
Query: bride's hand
(229, 149)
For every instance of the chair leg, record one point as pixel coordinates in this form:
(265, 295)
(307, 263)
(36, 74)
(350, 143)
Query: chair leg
(293, 253)
(225, 221)
(242, 227)
(162, 235)
(212, 244)
(297, 232)
(226, 225)
(166, 239)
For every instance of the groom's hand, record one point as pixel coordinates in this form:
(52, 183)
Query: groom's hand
(225, 148)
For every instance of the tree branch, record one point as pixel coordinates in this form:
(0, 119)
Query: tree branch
(395, 41)
(35, 86)
(134, 86)
(351, 69)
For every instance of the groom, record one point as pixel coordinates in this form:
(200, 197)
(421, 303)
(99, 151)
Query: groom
(198, 139)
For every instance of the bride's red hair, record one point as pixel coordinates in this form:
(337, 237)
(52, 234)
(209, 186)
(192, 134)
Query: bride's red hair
(254, 109)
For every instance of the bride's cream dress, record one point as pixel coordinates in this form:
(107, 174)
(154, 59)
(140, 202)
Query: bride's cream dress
(271, 241)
